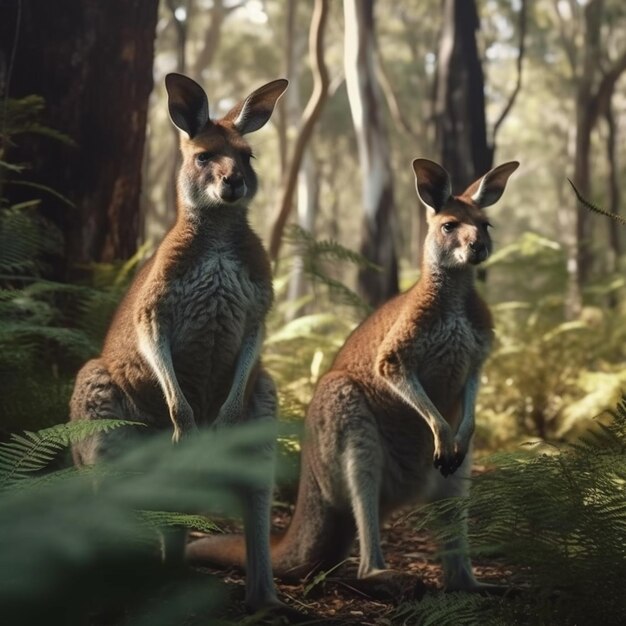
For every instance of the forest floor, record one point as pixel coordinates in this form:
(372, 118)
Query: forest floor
(335, 600)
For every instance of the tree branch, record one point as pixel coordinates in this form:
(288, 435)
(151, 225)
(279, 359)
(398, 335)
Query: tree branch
(391, 98)
(520, 59)
(309, 118)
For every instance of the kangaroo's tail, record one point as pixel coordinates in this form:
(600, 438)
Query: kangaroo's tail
(318, 537)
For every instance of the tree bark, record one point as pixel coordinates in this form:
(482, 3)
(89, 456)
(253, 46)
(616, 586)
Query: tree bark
(93, 65)
(367, 107)
(614, 231)
(594, 93)
(461, 126)
(307, 183)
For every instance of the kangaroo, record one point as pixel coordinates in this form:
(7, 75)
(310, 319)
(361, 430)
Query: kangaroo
(183, 348)
(391, 422)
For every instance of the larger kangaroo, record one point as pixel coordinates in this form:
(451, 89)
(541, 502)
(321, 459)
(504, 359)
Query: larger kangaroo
(391, 423)
(183, 348)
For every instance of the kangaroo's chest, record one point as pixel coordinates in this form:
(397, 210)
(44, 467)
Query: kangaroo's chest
(446, 351)
(213, 306)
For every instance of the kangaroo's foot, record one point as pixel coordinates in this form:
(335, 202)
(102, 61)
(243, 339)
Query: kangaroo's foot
(388, 585)
(475, 586)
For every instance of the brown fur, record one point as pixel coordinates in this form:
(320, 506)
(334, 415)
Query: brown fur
(183, 349)
(368, 449)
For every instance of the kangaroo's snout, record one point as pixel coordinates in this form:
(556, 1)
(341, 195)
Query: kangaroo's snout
(479, 252)
(233, 187)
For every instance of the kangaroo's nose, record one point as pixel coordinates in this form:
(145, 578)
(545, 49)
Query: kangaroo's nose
(477, 246)
(234, 181)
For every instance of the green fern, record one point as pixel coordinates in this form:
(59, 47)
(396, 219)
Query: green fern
(31, 452)
(158, 520)
(557, 517)
(76, 552)
(316, 253)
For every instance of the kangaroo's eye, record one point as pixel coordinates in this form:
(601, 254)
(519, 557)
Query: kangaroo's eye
(448, 227)
(247, 156)
(203, 157)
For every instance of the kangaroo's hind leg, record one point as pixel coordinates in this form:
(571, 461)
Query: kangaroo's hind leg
(346, 434)
(260, 590)
(455, 560)
(97, 397)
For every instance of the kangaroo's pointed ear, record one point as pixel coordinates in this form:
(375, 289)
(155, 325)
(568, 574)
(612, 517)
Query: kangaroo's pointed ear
(488, 189)
(254, 112)
(187, 104)
(432, 183)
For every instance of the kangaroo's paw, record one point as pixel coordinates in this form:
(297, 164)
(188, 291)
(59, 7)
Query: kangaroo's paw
(446, 458)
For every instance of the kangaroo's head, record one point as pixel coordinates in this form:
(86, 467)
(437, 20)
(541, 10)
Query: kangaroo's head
(458, 229)
(216, 168)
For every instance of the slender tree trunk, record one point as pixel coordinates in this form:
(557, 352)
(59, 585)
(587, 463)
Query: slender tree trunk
(310, 116)
(613, 227)
(367, 107)
(93, 65)
(306, 188)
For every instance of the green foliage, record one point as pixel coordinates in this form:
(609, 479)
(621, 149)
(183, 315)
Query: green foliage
(557, 515)
(47, 328)
(546, 377)
(317, 254)
(31, 452)
(86, 554)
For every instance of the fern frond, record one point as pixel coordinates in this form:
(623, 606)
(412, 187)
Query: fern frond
(33, 451)
(157, 520)
(595, 208)
(558, 517)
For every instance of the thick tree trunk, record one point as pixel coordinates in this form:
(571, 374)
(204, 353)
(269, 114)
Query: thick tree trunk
(461, 127)
(595, 88)
(367, 106)
(92, 62)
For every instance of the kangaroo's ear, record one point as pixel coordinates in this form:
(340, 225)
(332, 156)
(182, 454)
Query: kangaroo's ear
(254, 112)
(187, 104)
(488, 189)
(432, 183)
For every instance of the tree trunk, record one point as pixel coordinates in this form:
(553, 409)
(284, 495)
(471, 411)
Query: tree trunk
(595, 88)
(367, 107)
(461, 127)
(306, 188)
(614, 230)
(93, 65)
(310, 116)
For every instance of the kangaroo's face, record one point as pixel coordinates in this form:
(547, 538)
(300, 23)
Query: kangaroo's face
(216, 168)
(458, 229)
(459, 235)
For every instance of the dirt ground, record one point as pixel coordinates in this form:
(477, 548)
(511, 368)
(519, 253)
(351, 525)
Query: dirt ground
(336, 600)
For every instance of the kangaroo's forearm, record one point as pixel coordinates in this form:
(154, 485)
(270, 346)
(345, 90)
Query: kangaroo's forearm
(154, 347)
(247, 360)
(407, 387)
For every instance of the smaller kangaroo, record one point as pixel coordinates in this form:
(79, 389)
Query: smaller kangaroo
(391, 422)
(183, 348)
